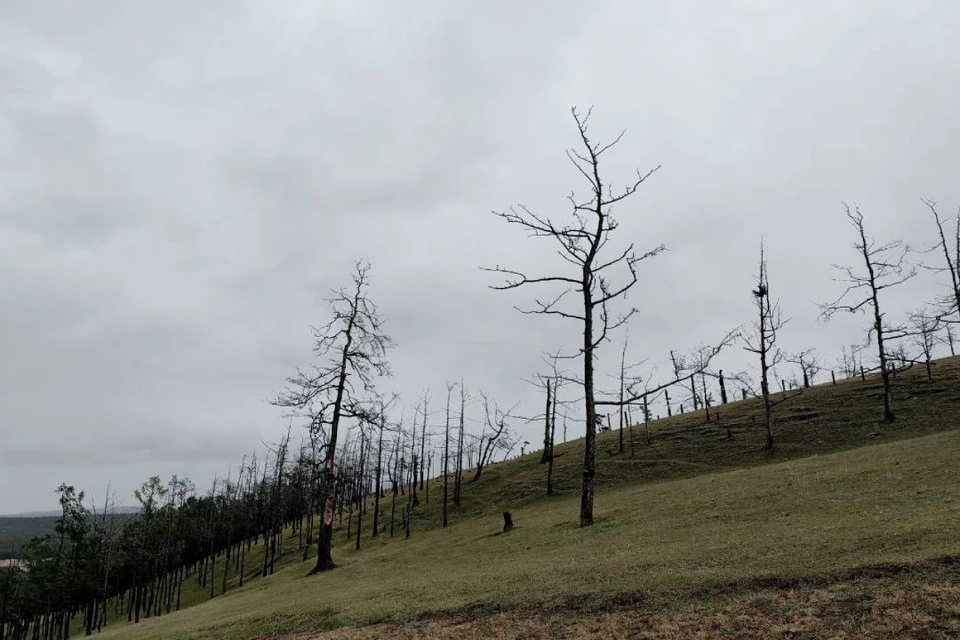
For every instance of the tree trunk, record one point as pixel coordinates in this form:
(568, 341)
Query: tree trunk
(378, 481)
(446, 457)
(458, 480)
(546, 429)
(590, 435)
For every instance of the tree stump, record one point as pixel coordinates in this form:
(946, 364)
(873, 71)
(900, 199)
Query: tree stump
(507, 522)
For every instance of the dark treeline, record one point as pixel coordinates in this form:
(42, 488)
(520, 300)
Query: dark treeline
(99, 566)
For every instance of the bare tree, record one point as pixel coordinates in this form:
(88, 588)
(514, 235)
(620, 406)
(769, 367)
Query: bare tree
(547, 444)
(949, 304)
(381, 424)
(808, 363)
(923, 332)
(423, 441)
(494, 427)
(458, 478)
(763, 342)
(884, 267)
(623, 392)
(446, 453)
(850, 361)
(947, 339)
(679, 364)
(353, 346)
(639, 385)
(582, 242)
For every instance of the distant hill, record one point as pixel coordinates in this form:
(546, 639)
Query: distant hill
(55, 513)
(17, 530)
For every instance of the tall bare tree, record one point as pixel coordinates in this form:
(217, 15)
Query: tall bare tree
(446, 454)
(884, 266)
(763, 342)
(352, 348)
(583, 242)
(461, 433)
(949, 247)
(423, 442)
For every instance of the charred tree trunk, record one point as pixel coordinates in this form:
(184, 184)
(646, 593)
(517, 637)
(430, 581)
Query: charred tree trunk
(547, 453)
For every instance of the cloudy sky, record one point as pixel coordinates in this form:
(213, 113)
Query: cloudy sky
(181, 183)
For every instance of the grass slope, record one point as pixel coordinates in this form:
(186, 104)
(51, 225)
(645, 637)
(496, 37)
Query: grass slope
(693, 517)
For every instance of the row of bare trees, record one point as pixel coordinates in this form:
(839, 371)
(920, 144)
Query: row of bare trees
(341, 387)
(599, 277)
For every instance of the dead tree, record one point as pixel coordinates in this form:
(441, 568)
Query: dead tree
(949, 304)
(923, 332)
(458, 478)
(547, 445)
(552, 417)
(393, 470)
(583, 243)
(763, 342)
(423, 442)
(352, 347)
(623, 393)
(381, 423)
(646, 397)
(884, 267)
(361, 483)
(629, 381)
(494, 427)
(446, 453)
(807, 361)
(413, 500)
(850, 361)
(947, 339)
(680, 365)
(378, 472)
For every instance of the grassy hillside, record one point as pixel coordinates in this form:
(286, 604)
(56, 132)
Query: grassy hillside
(702, 524)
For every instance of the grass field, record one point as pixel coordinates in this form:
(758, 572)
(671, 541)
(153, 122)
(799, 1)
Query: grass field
(850, 528)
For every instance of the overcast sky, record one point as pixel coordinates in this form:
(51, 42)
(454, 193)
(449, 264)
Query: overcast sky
(181, 183)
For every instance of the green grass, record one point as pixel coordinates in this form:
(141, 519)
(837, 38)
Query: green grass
(693, 516)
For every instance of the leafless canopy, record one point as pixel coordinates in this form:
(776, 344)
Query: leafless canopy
(353, 342)
(884, 266)
(583, 242)
(698, 361)
(948, 305)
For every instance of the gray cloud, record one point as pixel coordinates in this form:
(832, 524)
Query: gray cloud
(182, 184)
